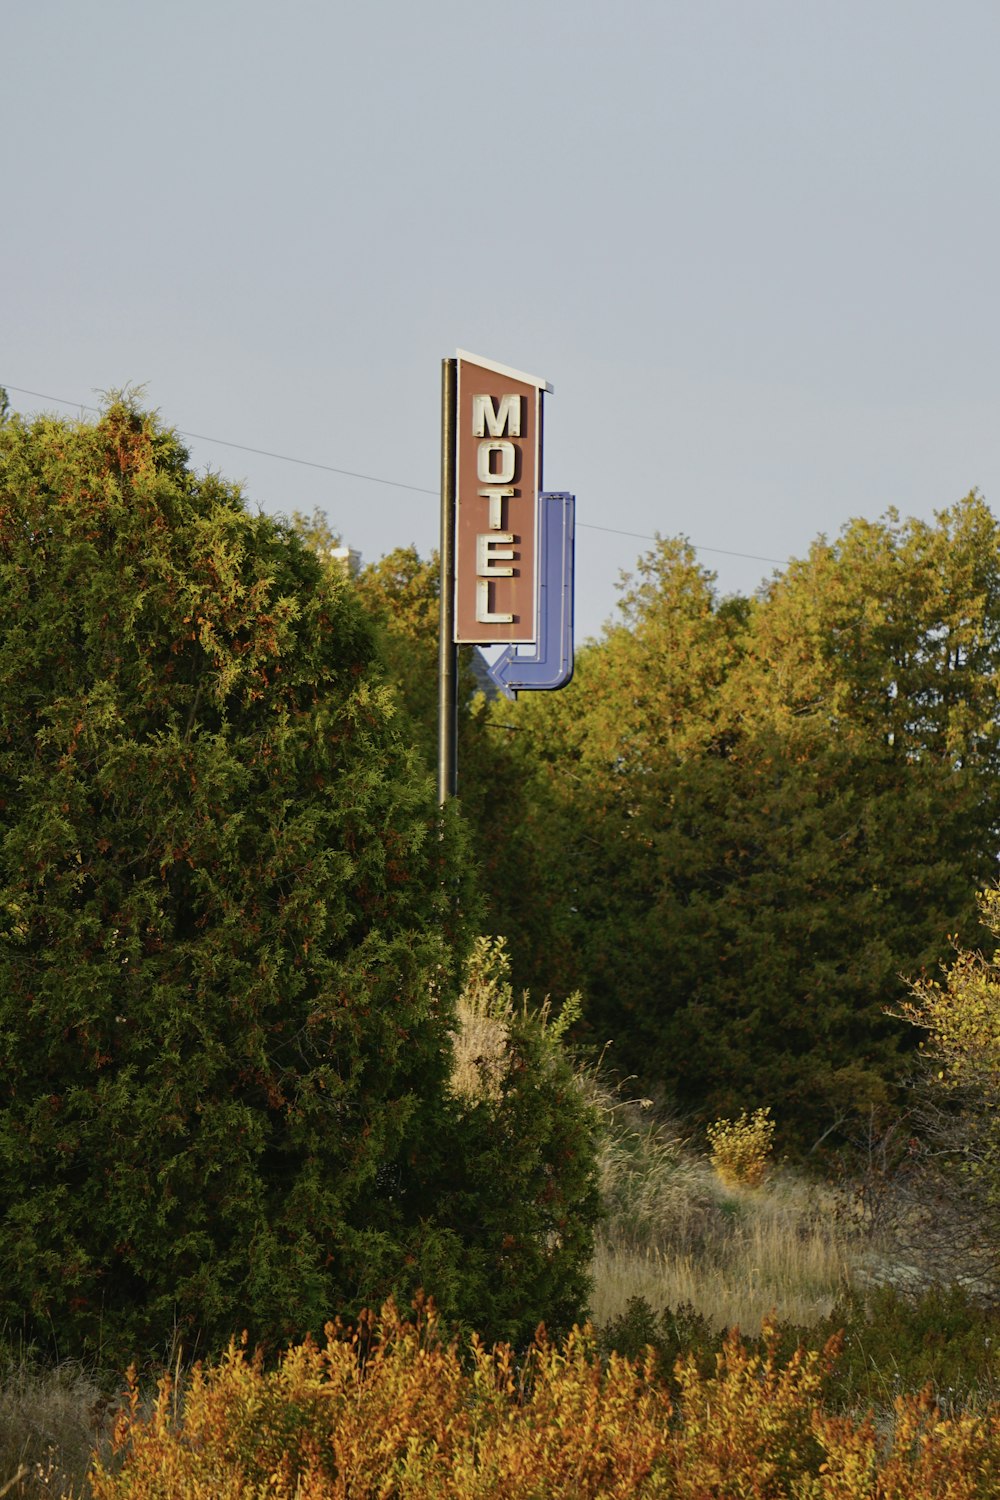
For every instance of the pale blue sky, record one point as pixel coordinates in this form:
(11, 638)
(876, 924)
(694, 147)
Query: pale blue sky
(753, 246)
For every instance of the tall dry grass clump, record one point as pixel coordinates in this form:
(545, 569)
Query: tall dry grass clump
(52, 1420)
(483, 1015)
(486, 1015)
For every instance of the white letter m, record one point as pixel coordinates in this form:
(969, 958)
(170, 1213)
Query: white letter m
(486, 417)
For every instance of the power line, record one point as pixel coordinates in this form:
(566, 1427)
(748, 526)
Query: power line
(244, 447)
(643, 537)
(417, 489)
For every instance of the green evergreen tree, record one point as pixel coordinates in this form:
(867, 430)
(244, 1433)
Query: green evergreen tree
(230, 915)
(526, 1183)
(758, 814)
(401, 594)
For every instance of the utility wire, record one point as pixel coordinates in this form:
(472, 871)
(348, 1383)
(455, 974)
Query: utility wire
(244, 447)
(417, 489)
(644, 537)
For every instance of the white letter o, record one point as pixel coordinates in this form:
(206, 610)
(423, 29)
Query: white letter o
(505, 473)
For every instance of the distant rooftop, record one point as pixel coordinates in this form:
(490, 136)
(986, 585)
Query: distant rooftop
(347, 558)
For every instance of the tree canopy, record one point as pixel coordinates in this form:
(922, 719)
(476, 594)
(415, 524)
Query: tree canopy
(760, 813)
(233, 922)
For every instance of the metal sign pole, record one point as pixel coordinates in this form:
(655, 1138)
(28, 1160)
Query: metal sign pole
(447, 650)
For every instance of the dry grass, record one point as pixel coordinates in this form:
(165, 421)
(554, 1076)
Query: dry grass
(50, 1421)
(676, 1234)
(480, 1057)
(483, 1013)
(755, 1272)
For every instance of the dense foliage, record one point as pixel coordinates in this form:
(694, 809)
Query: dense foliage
(746, 819)
(392, 1410)
(401, 595)
(525, 1183)
(946, 1191)
(519, 876)
(232, 923)
(891, 1342)
(758, 814)
(223, 911)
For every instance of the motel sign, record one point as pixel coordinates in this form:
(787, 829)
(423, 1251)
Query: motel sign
(498, 478)
(507, 548)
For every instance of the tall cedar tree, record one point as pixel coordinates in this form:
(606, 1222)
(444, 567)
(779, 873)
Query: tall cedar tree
(401, 591)
(524, 1184)
(760, 814)
(228, 915)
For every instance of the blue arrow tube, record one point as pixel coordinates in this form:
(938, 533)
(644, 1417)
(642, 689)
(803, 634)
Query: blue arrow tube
(551, 665)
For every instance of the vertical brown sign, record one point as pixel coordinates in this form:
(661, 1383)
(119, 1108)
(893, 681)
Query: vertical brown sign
(499, 475)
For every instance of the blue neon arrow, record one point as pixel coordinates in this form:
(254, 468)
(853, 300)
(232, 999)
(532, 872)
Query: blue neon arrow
(551, 666)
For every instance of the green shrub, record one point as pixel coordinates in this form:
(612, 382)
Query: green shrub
(890, 1343)
(897, 1341)
(670, 1334)
(227, 911)
(518, 1166)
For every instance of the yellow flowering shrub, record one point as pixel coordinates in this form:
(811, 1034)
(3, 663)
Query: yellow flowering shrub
(741, 1148)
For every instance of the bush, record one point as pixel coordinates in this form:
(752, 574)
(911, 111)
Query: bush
(227, 916)
(741, 1148)
(951, 1200)
(669, 1335)
(519, 1169)
(890, 1344)
(390, 1409)
(895, 1342)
